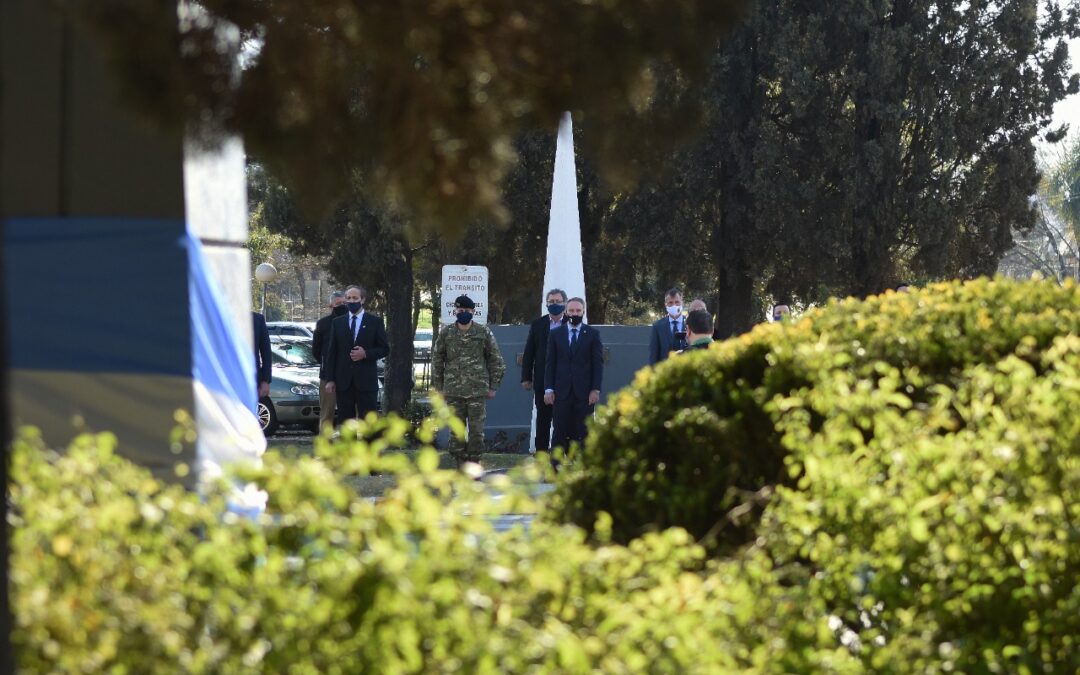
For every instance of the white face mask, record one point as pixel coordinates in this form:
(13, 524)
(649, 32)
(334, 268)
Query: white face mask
(674, 310)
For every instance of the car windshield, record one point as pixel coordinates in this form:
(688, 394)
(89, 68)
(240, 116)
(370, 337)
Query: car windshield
(294, 354)
(422, 336)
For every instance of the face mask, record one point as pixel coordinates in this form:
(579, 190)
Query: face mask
(339, 310)
(354, 307)
(464, 317)
(555, 310)
(674, 310)
(576, 320)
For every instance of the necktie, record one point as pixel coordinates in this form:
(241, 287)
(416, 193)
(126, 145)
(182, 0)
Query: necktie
(353, 328)
(573, 339)
(674, 327)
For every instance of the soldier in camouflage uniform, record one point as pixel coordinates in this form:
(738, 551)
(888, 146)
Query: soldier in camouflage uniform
(466, 369)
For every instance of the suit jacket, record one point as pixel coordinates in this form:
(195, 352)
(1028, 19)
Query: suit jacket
(574, 374)
(264, 357)
(320, 341)
(660, 339)
(535, 356)
(346, 373)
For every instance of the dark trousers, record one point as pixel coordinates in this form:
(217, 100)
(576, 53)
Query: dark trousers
(543, 421)
(353, 404)
(569, 417)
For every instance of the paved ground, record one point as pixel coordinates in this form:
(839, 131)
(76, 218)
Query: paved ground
(298, 442)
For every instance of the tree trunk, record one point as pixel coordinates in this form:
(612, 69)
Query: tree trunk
(734, 208)
(399, 330)
(598, 311)
(735, 306)
(876, 140)
(436, 313)
(416, 308)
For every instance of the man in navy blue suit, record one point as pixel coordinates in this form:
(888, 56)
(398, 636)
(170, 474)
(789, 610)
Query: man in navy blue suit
(357, 342)
(668, 334)
(264, 357)
(573, 373)
(533, 366)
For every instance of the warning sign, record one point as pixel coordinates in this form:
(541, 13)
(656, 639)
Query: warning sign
(470, 280)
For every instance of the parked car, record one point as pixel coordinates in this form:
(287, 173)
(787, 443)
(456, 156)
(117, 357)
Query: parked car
(422, 344)
(294, 357)
(294, 390)
(298, 328)
(293, 350)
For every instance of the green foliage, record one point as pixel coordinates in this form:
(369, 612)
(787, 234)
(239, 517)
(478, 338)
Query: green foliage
(262, 244)
(924, 520)
(944, 534)
(697, 441)
(842, 155)
(926, 504)
(113, 571)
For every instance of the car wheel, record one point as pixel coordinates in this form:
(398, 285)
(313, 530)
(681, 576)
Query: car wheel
(267, 416)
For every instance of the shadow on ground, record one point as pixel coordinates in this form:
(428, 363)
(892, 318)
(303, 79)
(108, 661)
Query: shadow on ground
(298, 443)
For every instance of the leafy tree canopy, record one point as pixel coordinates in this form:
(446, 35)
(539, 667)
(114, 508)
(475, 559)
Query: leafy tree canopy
(424, 98)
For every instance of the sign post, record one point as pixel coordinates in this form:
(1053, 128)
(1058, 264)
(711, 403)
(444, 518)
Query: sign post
(470, 280)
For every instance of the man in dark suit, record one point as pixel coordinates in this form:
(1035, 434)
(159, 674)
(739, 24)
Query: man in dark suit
(264, 357)
(534, 358)
(669, 333)
(574, 371)
(320, 345)
(357, 342)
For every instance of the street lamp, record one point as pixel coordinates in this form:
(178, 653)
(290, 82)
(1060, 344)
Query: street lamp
(265, 273)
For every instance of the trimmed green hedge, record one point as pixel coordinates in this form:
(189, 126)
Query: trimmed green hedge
(943, 536)
(698, 441)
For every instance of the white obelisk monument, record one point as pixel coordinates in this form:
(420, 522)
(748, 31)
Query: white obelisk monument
(564, 268)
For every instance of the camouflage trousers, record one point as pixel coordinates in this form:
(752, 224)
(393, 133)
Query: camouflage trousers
(471, 410)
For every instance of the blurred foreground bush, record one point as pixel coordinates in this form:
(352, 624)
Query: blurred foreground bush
(113, 571)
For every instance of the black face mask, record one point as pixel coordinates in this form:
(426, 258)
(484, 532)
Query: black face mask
(575, 320)
(339, 310)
